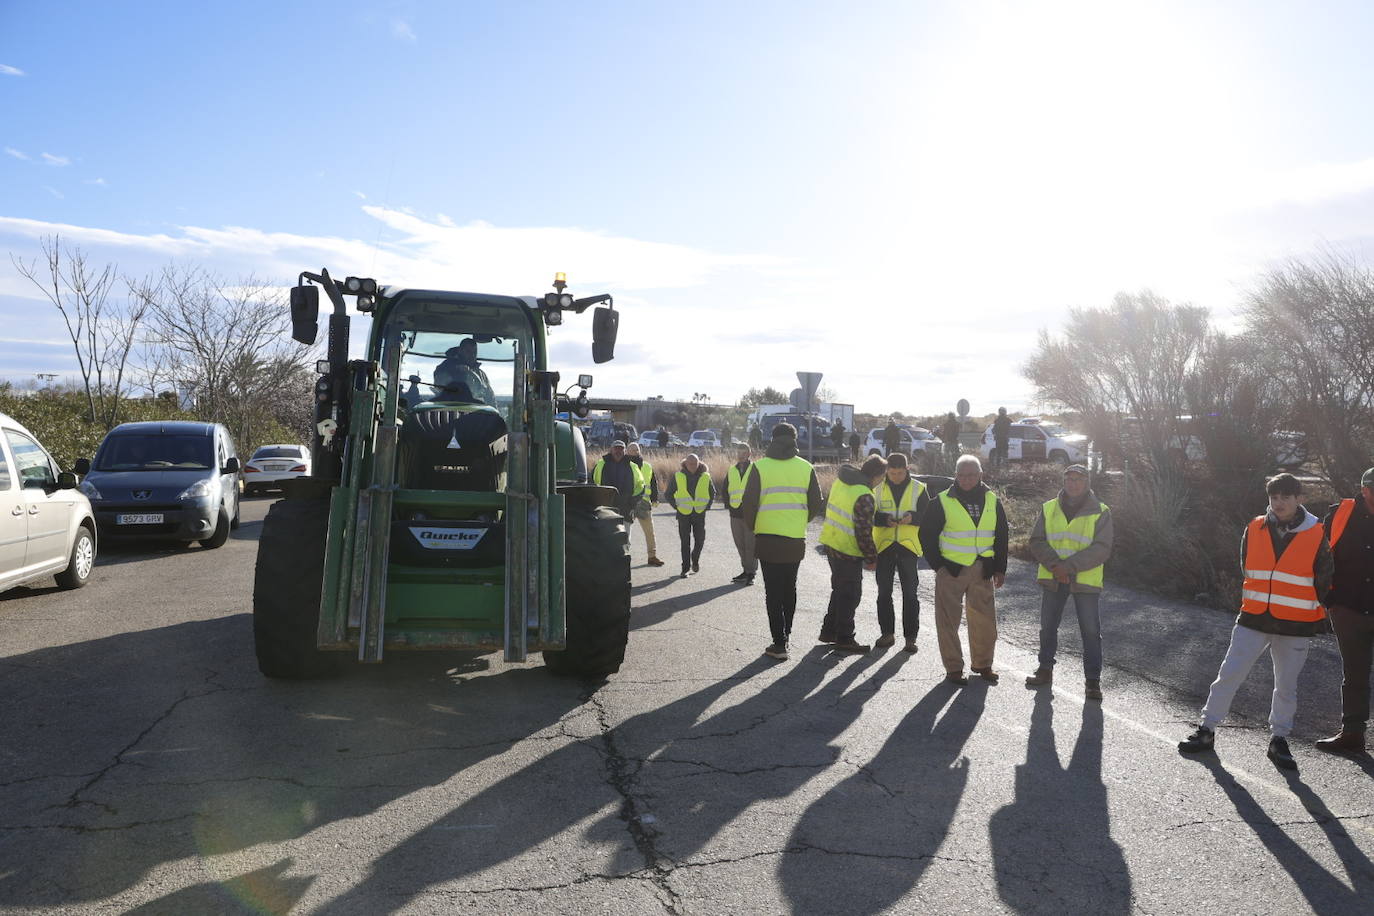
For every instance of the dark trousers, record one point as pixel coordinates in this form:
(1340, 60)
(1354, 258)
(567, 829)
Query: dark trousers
(906, 566)
(687, 526)
(780, 595)
(846, 588)
(1355, 636)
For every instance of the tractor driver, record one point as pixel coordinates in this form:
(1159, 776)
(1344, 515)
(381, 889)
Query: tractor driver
(465, 357)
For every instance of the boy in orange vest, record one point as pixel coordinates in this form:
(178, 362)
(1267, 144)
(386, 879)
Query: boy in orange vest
(1287, 566)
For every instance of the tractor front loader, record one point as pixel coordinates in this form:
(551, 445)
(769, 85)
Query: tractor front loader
(447, 507)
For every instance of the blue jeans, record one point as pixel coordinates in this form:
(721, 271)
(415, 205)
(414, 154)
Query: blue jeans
(1089, 625)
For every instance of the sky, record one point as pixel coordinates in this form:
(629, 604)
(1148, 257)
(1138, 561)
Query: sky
(899, 195)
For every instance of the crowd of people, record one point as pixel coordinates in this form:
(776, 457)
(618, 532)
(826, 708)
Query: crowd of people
(1302, 575)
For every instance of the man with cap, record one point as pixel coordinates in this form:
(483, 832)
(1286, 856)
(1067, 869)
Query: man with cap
(616, 470)
(1350, 529)
(964, 537)
(900, 503)
(781, 494)
(691, 492)
(734, 501)
(643, 509)
(464, 358)
(1072, 539)
(848, 539)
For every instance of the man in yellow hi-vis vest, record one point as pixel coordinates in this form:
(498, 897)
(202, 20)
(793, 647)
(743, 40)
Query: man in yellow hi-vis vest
(848, 539)
(743, 534)
(901, 502)
(781, 495)
(964, 536)
(1072, 538)
(691, 492)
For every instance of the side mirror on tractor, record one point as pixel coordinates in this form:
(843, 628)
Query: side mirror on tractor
(305, 313)
(605, 324)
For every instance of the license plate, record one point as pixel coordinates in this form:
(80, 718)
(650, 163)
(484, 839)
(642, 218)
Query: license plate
(153, 518)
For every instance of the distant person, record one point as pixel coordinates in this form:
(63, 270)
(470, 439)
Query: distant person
(756, 437)
(950, 434)
(663, 437)
(691, 493)
(412, 393)
(964, 536)
(1072, 538)
(643, 509)
(781, 495)
(892, 438)
(725, 433)
(837, 436)
(854, 443)
(1288, 568)
(734, 502)
(901, 501)
(848, 539)
(615, 470)
(1350, 527)
(1001, 437)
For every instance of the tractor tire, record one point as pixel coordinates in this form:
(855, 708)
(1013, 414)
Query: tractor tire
(597, 567)
(286, 591)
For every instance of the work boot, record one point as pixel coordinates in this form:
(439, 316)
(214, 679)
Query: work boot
(777, 650)
(884, 641)
(685, 572)
(1346, 742)
(956, 677)
(1092, 688)
(1200, 740)
(696, 566)
(849, 645)
(986, 674)
(749, 579)
(1043, 677)
(910, 645)
(655, 561)
(1280, 754)
(739, 580)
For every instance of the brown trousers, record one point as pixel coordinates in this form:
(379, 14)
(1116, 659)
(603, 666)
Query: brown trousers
(952, 593)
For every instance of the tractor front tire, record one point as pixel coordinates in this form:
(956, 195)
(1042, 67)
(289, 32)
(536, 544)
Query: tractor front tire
(597, 570)
(286, 591)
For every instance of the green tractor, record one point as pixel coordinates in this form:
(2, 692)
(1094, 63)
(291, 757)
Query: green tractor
(448, 507)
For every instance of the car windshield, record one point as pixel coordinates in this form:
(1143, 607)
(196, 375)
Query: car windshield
(155, 453)
(277, 451)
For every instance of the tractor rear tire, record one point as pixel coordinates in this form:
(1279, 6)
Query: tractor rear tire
(286, 591)
(597, 570)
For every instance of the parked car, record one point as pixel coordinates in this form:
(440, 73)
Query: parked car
(1037, 441)
(703, 438)
(176, 480)
(272, 464)
(47, 527)
(914, 439)
(648, 439)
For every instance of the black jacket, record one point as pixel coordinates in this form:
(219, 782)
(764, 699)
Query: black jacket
(933, 522)
(1352, 585)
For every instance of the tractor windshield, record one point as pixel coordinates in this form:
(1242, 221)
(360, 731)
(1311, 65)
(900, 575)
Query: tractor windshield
(447, 367)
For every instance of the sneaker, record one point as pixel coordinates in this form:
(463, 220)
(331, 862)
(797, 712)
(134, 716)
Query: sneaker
(956, 677)
(849, 645)
(740, 579)
(1043, 677)
(1200, 740)
(696, 567)
(1092, 688)
(777, 650)
(882, 642)
(910, 645)
(749, 579)
(1280, 754)
(825, 637)
(655, 561)
(685, 573)
(987, 674)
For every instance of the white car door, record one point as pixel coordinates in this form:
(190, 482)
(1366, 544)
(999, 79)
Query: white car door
(14, 521)
(49, 510)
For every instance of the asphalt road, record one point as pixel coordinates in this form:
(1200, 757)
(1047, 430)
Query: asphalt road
(146, 766)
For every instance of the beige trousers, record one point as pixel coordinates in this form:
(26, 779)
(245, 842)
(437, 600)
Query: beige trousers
(646, 522)
(952, 594)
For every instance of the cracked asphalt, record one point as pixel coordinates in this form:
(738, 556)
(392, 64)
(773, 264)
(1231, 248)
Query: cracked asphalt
(146, 766)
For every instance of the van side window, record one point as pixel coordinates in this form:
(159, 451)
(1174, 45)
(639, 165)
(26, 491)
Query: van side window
(4, 471)
(33, 464)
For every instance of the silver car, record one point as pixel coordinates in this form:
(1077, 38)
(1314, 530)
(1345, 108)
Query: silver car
(47, 527)
(272, 464)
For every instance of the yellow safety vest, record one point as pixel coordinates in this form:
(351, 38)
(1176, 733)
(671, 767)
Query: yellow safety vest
(838, 530)
(1069, 537)
(635, 475)
(783, 485)
(906, 535)
(734, 486)
(962, 541)
(646, 472)
(689, 503)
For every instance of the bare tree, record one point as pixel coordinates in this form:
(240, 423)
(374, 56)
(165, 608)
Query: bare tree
(1132, 359)
(1314, 323)
(102, 331)
(229, 344)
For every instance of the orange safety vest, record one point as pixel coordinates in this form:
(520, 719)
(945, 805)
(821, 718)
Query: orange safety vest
(1341, 519)
(1285, 587)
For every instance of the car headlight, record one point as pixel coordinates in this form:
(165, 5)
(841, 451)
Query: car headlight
(198, 490)
(89, 489)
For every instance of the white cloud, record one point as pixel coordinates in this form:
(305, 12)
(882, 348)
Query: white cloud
(7, 70)
(96, 181)
(360, 195)
(402, 30)
(54, 192)
(50, 159)
(16, 153)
